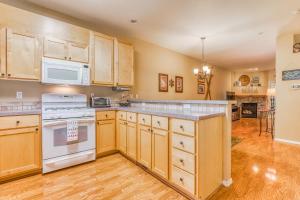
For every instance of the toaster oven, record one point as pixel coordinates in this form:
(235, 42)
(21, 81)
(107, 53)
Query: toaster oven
(100, 102)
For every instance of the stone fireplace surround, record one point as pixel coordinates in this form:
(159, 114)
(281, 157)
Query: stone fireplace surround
(261, 101)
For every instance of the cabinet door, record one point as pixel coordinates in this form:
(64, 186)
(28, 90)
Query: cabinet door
(20, 152)
(23, 58)
(103, 60)
(55, 48)
(122, 132)
(144, 144)
(160, 152)
(131, 140)
(78, 52)
(106, 140)
(2, 52)
(125, 65)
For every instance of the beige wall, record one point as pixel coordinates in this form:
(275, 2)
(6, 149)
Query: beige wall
(264, 76)
(150, 60)
(287, 100)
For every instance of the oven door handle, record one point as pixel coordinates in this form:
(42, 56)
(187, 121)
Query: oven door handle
(46, 124)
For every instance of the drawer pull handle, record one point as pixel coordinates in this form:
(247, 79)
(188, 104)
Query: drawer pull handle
(182, 161)
(181, 180)
(182, 127)
(182, 144)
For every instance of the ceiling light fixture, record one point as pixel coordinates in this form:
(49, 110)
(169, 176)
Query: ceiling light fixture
(296, 12)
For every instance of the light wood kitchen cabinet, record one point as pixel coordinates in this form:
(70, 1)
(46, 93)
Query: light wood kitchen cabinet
(103, 55)
(125, 62)
(65, 50)
(2, 52)
(160, 152)
(106, 140)
(20, 148)
(131, 140)
(144, 146)
(122, 136)
(23, 55)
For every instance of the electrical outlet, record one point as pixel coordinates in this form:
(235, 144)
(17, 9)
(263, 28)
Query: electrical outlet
(19, 95)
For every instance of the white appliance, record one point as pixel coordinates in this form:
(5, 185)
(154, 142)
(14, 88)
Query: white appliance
(55, 71)
(58, 152)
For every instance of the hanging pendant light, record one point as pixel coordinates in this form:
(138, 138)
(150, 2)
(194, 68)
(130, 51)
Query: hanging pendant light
(205, 68)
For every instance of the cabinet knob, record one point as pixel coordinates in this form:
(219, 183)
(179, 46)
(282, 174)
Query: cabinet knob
(158, 122)
(182, 144)
(2, 74)
(70, 58)
(143, 120)
(8, 74)
(181, 180)
(130, 117)
(37, 129)
(182, 161)
(65, 57)
(18, 122)
(181, 127)
(106, 115)
(149, 129)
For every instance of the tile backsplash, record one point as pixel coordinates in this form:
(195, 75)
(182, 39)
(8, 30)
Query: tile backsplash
(19, 106)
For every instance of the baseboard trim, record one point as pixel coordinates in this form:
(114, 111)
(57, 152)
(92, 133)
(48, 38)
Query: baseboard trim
(287, 141)
(227, 182)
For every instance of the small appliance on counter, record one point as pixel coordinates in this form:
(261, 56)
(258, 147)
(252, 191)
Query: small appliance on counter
(100, 102)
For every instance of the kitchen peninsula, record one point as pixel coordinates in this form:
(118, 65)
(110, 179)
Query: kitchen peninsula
(186, 144)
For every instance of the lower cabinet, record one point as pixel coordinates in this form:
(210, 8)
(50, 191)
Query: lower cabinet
(153, 146)
(122, 132)
(106, 140)
(20, 147)
(131, 140)
(160, 152)
(145, 143)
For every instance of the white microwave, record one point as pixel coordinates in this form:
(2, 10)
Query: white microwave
(55, 71)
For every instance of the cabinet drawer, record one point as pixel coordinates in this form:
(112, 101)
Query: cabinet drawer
(144, 119)
(121, 115)
(184, 143)
(185, 127)
(183, 160)
(160, 122)
(183, 179)
(19, 121)
(107, 115)
(131, 117)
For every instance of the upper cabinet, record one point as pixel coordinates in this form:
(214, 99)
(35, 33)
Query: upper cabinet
(62, 49)
(103, 59)
(125, 75)
(23, 57)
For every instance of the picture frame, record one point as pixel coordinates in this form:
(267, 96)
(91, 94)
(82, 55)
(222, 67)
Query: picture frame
(163, 82)
(179, 84)
(201, 88)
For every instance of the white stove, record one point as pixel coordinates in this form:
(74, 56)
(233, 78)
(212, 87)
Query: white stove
(58, 112)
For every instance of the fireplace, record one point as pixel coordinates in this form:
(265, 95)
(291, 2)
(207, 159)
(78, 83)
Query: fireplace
(249, 110)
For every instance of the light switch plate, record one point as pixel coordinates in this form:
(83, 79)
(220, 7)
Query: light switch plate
(19, 95)
(295, 86)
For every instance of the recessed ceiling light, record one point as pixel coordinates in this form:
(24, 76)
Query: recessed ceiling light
(133, 21)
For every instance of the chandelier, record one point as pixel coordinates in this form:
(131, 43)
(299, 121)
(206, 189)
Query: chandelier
(205, 73)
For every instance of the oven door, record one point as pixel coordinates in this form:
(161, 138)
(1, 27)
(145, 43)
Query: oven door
(55, 142)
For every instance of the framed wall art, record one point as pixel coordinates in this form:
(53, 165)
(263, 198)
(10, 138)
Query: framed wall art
(291, 75)
(201, 88)
(163, 82)
(178, 84)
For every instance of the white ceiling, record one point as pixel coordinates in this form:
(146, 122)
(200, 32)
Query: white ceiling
(240, 33)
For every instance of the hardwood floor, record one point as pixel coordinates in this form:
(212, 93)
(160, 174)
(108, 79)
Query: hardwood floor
(261, 169)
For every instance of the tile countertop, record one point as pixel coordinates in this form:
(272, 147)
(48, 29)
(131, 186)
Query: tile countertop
(23, 112)
(219, 102)
(176, 114)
